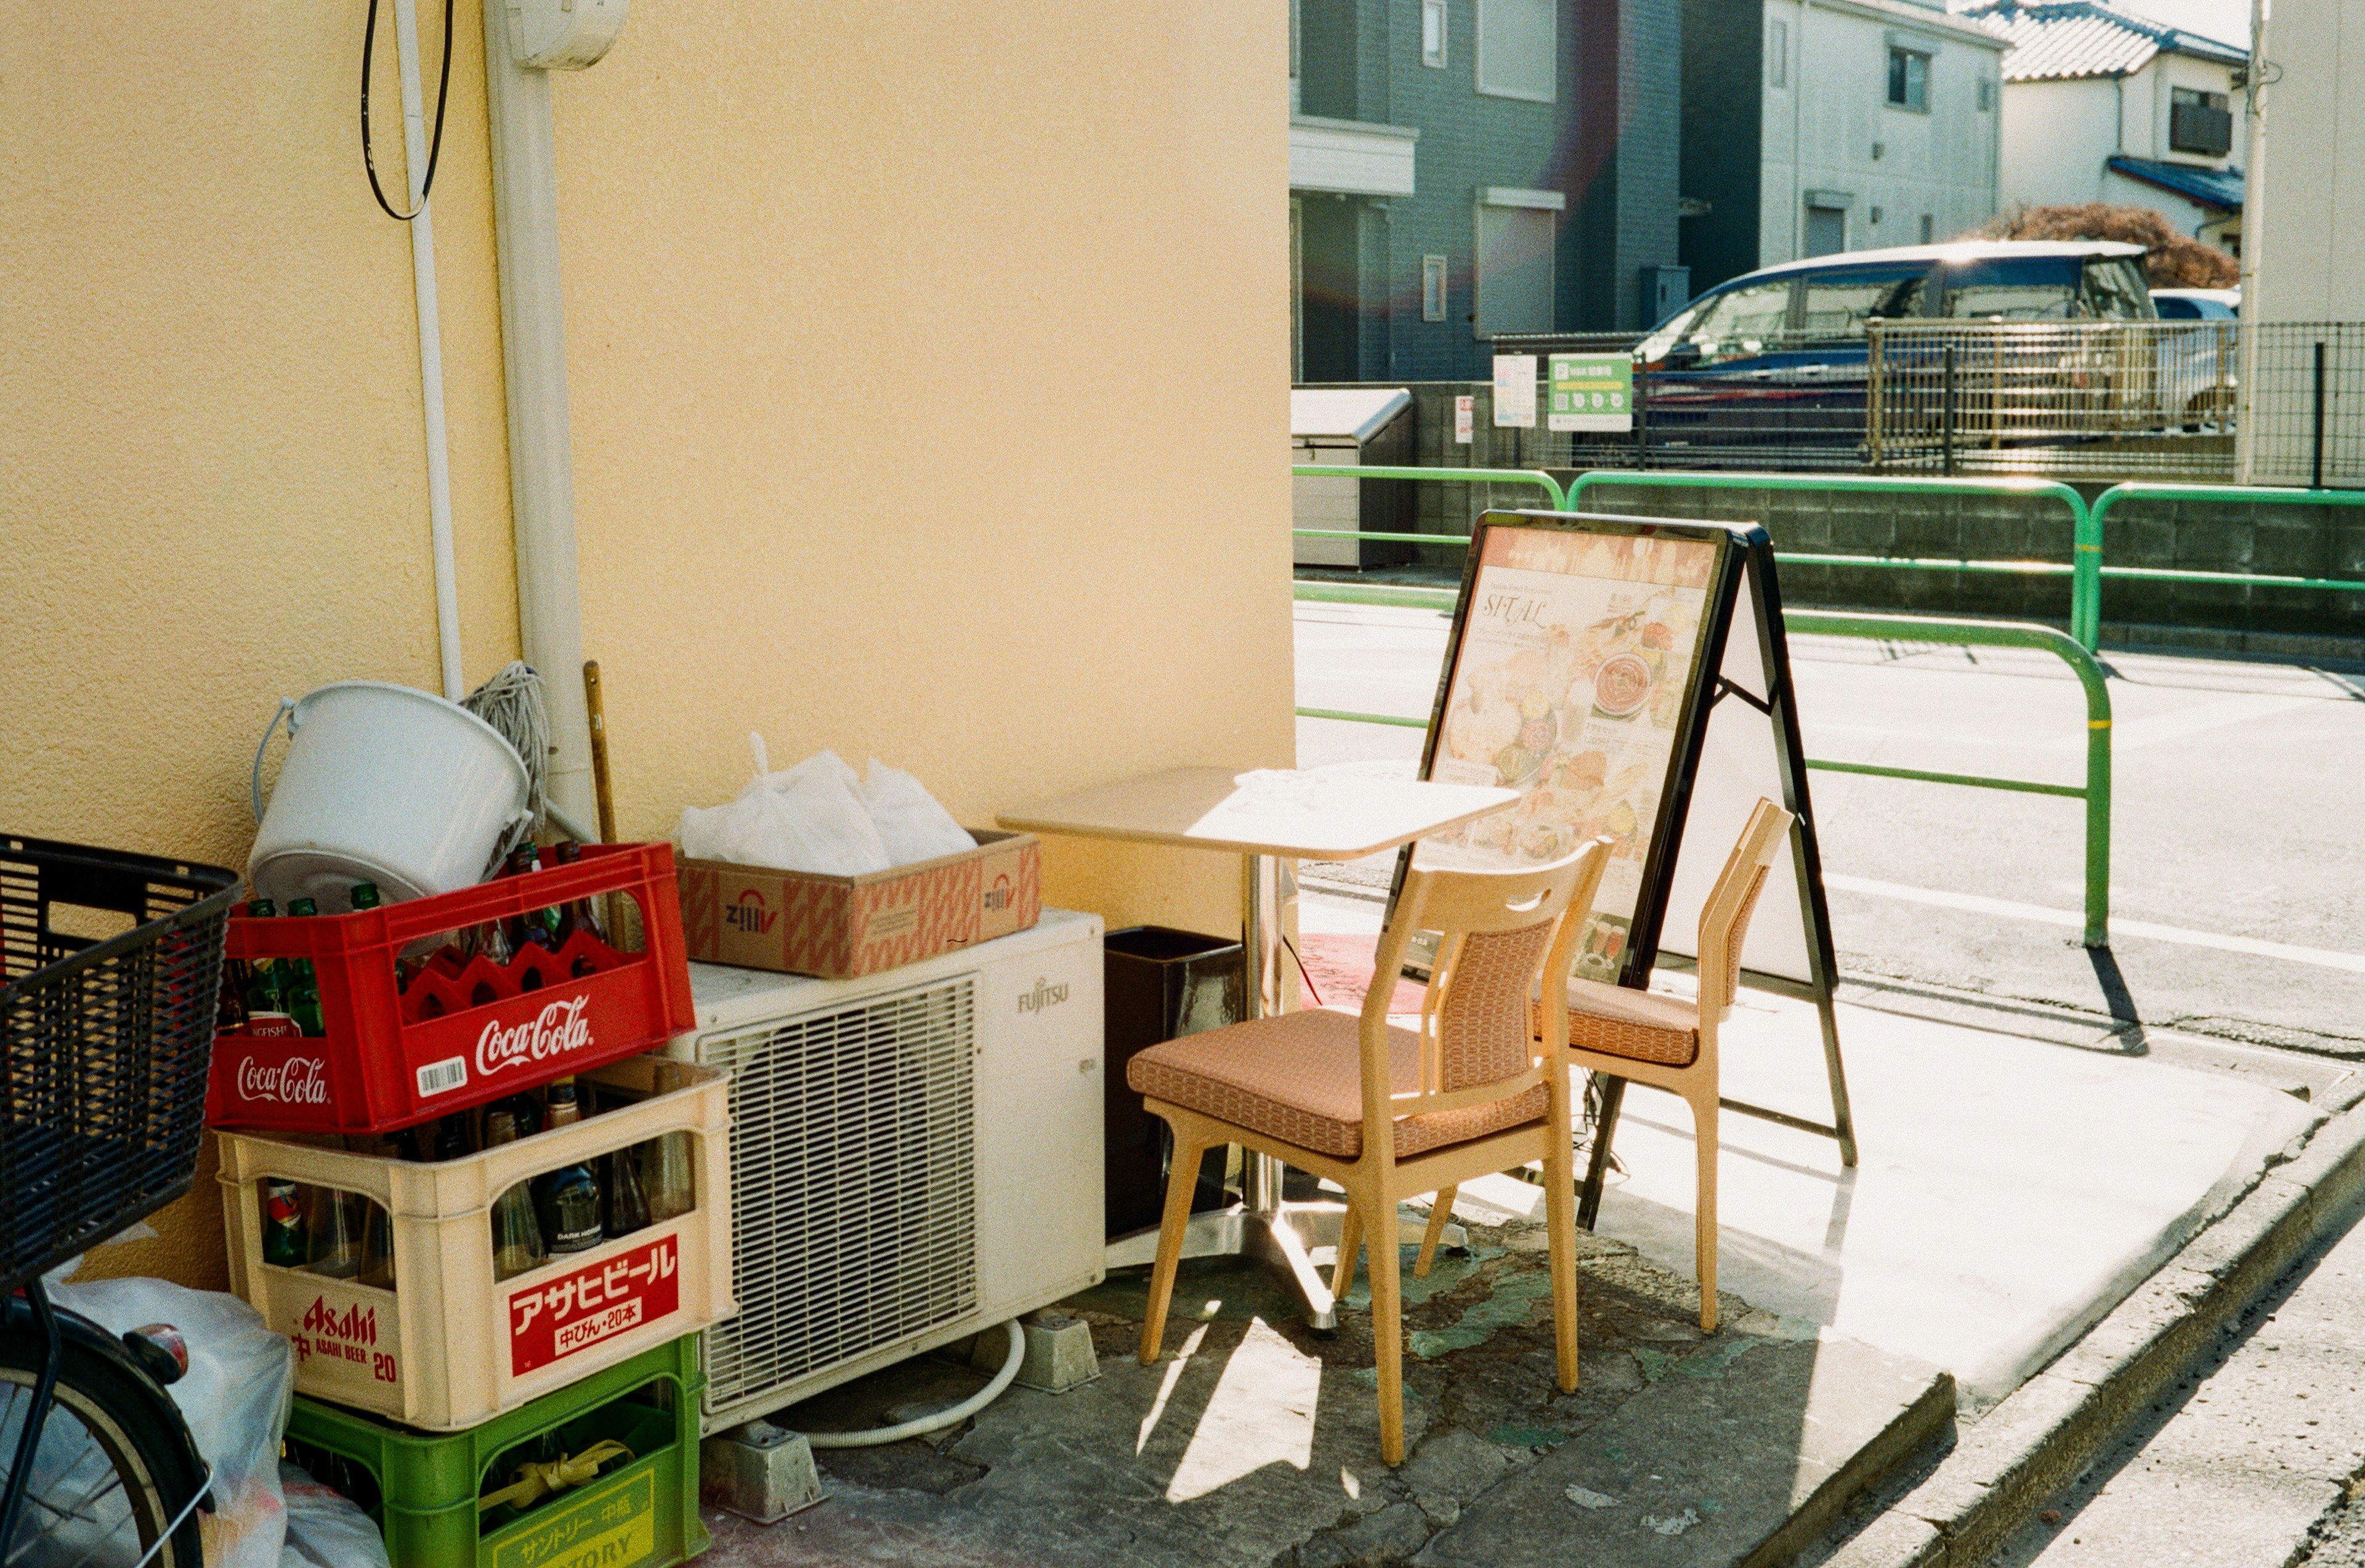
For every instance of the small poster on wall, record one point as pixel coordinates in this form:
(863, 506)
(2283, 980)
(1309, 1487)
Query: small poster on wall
(1514, 391)
(1591, 392)
(1465, 420)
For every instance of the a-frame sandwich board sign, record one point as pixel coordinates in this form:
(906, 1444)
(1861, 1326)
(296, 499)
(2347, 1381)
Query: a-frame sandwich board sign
(1629, 677)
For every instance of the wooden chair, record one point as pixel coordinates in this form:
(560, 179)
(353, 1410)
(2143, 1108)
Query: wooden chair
(1472, 1091)
(1670, 1043)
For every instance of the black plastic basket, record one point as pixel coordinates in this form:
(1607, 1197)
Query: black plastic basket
(107, 1034)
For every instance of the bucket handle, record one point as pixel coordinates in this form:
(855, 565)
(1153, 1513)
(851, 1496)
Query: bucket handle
(287, 709)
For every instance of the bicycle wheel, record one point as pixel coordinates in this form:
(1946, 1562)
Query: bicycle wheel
(110, 1474)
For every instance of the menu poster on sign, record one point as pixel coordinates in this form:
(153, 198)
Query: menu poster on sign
(1591, 392)
(1465, 420)
(1514, 391)
(1575, 676)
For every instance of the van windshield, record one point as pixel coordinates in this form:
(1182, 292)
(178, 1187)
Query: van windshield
(1838, 304)
(1731, 325)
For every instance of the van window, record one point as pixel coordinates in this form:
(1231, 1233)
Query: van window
(2176, 310)
(1838, 304)
(1733, 324)
(2017, 289)
(2116, 289)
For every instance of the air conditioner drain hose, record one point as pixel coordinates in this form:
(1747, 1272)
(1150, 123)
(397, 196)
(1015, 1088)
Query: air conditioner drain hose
(942, 1419)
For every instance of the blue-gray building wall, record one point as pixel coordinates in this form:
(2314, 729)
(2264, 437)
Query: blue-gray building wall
(1608, 142)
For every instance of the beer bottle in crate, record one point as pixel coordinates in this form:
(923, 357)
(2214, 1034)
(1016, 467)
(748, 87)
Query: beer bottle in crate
(283, 1224)
(333, 1233)
(664, 1159)
(266, 984)
(517, 1237)
(582, 914)
(567, 1200)
(304, 983)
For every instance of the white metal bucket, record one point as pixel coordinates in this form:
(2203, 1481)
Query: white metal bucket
(382, 784)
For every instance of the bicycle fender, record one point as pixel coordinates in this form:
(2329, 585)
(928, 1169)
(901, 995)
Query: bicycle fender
(18, 1319)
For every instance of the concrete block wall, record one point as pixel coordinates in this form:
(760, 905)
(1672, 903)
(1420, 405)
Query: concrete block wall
(2271, 540)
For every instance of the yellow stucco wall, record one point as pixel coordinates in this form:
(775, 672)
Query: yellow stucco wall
(925, 365)
(922, 361)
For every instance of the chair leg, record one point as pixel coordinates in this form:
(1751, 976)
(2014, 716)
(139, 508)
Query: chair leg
(1388, 1329)
(1182, 1181)
(1350, 1239)
(1560, 1230)
(1704, 1133)
(1440, 1213)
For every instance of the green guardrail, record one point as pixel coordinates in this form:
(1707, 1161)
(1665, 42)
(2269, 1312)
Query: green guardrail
(2084, 570)
(2246, 495)
(2095, 791)
(1540, 480)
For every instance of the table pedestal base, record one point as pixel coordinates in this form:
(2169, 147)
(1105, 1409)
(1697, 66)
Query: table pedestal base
(1285, 1239)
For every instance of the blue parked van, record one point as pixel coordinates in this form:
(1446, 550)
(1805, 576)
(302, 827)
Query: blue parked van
(1778, 357)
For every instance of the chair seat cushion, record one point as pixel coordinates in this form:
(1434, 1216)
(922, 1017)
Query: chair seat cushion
(1638, 1025)
(1299, 1078)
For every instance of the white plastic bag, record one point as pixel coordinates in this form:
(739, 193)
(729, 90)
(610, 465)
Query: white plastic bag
(807, 818)
(911, 823)
(234, 1397)
(325, 1527)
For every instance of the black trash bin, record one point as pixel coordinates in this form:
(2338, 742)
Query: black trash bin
(1158, 984)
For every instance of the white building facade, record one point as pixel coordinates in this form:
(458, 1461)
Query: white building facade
(1817, 125)
(2100, 105)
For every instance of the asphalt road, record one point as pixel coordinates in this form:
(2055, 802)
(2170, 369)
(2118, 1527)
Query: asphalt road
(2238, 847)
(2249, 1461)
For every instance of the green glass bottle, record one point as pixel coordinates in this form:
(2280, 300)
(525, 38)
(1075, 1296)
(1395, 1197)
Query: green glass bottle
(267, 983)
(303, 983)
(283, 1242)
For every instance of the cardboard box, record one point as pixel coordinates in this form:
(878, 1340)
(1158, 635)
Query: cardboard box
(838, 928)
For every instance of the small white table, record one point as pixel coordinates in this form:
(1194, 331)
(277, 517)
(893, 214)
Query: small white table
(1319, 815)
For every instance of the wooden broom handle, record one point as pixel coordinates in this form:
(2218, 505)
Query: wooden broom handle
(597, 709)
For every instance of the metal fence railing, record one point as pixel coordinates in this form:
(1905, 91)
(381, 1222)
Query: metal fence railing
(2083, 397)
(2305, 419)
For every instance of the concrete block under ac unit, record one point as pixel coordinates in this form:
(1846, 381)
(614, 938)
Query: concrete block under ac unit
(563, 35)
(1059, 1354)
(759, 1472)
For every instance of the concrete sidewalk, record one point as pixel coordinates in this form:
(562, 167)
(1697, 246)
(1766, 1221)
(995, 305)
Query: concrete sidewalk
(2011, 1190)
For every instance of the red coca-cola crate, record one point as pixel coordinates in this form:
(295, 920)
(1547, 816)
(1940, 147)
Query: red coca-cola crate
(388, 1059)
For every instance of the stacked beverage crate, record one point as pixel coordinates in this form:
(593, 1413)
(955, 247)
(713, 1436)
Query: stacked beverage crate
(489, 1219)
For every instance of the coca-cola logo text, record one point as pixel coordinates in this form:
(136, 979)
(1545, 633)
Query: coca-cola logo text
(298, 1081)
(555, 1031)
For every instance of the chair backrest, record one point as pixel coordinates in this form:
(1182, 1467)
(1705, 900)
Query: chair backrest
(1502, 934)
(1724, 918)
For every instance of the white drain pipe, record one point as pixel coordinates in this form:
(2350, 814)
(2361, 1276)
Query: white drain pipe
(533, 357)
(431, 351)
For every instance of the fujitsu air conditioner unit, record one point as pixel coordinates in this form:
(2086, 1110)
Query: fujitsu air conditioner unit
(916, 1155)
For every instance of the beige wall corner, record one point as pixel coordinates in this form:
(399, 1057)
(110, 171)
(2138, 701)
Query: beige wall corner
(925, 369)
(212, 475)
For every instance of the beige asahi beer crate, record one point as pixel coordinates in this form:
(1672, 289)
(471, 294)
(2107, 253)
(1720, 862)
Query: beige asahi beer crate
(450, 1345)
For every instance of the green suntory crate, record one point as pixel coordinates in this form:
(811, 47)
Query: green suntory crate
(640, 1515)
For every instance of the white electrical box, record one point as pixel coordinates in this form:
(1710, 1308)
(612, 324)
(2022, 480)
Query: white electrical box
(563, 35)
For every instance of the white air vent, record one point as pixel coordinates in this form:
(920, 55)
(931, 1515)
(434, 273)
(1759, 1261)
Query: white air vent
(859, 1227)
(916, 1155)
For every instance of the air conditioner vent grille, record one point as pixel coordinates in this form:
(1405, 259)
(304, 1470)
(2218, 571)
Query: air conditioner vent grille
(853, 1183)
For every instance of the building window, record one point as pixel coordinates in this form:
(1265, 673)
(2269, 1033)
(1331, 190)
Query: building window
(1909, 79)
(1432, 288)
(1514, 284)
(1778, 53)
(1294, 94)
(2200, 122)
(1987, 96)
(1432, 33)
(1518, 49)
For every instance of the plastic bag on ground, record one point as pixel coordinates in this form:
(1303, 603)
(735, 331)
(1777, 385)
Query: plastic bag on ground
(911, 823)
(325, 1527)
(234, 1397)
(808, 818)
